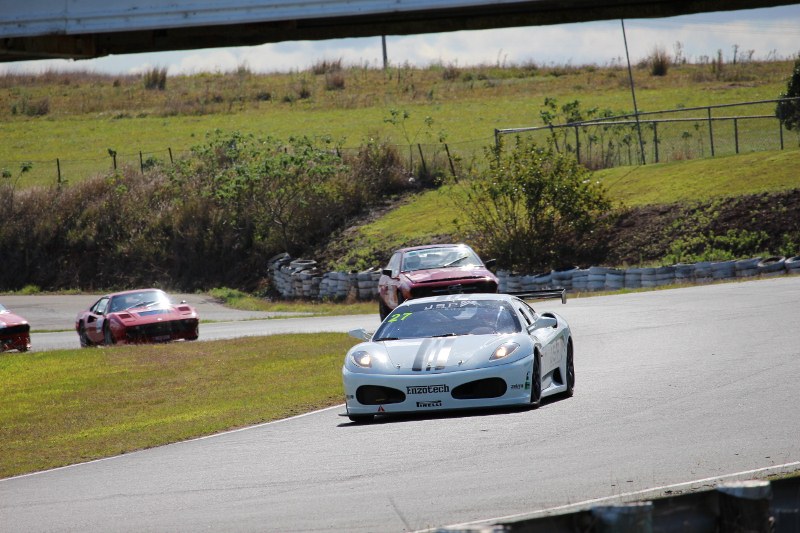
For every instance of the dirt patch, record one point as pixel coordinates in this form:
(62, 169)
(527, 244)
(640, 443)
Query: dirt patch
(764, 223)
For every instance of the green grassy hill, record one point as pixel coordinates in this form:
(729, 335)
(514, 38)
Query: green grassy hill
(76, 118)
(435, 216)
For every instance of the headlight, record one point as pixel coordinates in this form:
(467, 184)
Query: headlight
(504, 350)
(361, 358)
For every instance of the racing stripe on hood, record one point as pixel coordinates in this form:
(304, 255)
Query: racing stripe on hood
(423, 349)
(433, 353)
(444, 353)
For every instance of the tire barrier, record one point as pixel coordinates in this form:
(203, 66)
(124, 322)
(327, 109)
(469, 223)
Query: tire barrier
(771, 266)
(733, 506)
(745, 268)
(302, 278)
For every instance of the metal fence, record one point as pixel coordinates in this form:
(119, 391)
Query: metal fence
(671, 135)
(420, 158)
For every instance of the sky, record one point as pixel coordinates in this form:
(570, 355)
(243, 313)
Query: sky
(759, 34)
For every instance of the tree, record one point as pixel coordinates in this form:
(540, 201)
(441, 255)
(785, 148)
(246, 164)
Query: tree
(788, 111)
(534, 208)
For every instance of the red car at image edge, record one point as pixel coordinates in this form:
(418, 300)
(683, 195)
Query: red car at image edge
(15, 332)
(137, 316)
(432, 270)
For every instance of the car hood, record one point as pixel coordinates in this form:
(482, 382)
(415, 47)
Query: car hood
(441, 354)
(145, 316)
(448, 274)
(8, 318)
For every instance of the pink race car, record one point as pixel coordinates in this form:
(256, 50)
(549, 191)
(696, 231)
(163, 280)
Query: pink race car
(432, 270)
(138, 316)
(15, 332)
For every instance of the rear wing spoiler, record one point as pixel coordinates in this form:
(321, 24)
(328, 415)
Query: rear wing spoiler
(542, 294)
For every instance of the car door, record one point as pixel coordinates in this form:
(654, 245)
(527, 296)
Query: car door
(94, 320)
(546, 337)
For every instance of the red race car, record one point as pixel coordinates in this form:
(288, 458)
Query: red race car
(430, 271)
(138, 316)
(15, 332)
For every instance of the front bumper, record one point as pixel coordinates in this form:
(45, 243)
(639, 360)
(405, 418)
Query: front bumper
(20, 341)
(163, 331)
(496, 386)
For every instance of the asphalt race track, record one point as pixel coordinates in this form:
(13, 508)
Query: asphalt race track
(673, 386)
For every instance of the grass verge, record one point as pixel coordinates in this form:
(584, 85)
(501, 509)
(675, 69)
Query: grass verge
(68, 406)
(237, 299)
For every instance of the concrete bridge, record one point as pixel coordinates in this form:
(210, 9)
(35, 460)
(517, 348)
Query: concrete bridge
(80, 29)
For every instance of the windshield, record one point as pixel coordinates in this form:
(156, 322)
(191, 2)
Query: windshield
(446, 256)
(444, 319)
(151, 299)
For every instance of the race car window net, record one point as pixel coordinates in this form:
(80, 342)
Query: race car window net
(475, 317)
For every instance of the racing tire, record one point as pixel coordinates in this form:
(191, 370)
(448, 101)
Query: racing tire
(536, 381)
(361, 419)
(85, 342)
(108, 338)
(570, 371)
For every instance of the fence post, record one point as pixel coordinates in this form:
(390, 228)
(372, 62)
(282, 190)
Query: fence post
(736, 134)
(58, 171)
(422, 156)
(655, 139)
(577, 145)
(450, 160)
(141, 162)
(710, 131)
(780, 128)
(171, 161)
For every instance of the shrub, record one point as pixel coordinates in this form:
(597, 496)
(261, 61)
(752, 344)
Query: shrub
(334, 81)
(326, 66)
(659, 62)
(534, 208)
(788, 111)
(155, 79)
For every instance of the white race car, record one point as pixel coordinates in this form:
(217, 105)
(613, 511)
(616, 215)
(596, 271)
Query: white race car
(458, 351)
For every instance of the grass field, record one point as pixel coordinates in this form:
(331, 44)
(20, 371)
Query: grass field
(85, 115)
(67, 406)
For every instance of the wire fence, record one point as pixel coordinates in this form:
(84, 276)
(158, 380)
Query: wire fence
(671, 135)
(421, 158)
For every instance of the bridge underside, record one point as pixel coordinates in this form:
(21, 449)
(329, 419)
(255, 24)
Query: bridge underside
(530, 13)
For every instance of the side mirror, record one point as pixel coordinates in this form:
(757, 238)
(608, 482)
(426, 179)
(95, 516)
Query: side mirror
(360, 334)
(387, 272)
(544, 322)
(489, 263)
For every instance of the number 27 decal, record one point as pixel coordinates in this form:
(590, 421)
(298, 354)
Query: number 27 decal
(399, 316)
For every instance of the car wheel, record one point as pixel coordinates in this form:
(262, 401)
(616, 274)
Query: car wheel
(536, 381)
(383, 309)
(108, 338)
(570, 370)
(85, 342)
